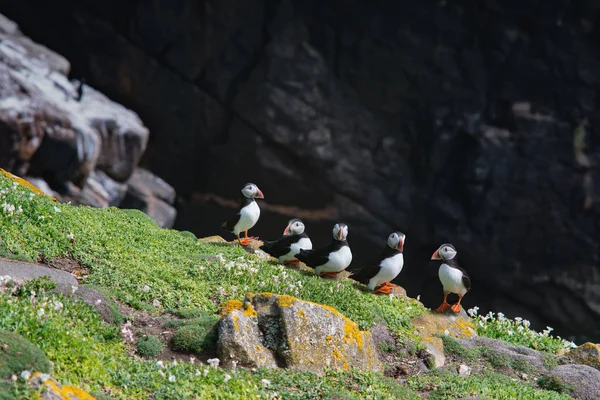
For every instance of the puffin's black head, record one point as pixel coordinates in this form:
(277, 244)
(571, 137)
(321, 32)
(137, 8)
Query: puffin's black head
(444, 252)
(250, 190)
(294, 227)
(396, 240)
(340, 231)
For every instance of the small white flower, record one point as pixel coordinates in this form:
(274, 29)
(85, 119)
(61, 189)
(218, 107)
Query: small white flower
(13, 377)
(446, 332)
(156, 303)
(510, 333)
(197, 373)
(518, 320)
(261, 284)
(192, 360)
(40, 312)
(205, 372)
(220, 258)
(226, 378)
(234, 364)
(25, 375)
(220, 291)
(160, 364)
(161, 373)
(97, 302)
(56, 209)
(57, 305)
(71, 236)
(501, 316)
(266, 382)
(419, 297)
(201, 268)
(172, 378)
(234, 288)
(146, 289)
(214, 362)
(526, 323)
(174, 362)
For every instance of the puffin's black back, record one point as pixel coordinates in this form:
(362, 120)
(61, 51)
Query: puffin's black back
(320, 256)
(363, 274)
(282, 246)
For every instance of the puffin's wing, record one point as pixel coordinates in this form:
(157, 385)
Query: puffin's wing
(466, 281)
(229, 225)
(314, 257)
(364, 273)
(280, 247)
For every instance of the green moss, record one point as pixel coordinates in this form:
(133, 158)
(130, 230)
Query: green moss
(554, 383)
(18, 354)
(495, 359)
(149, 346)
(387, 347)
(199, 336)
(190, 313)
(453, 346)
(549, 360)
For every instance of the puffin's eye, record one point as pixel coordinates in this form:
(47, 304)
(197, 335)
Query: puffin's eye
(446, 249)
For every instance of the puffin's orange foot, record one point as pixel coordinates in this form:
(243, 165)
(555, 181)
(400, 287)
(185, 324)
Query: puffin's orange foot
(294, 261)
(444, 307)
(329, 274)
(383, 288)
(455, 308)
(245, 241)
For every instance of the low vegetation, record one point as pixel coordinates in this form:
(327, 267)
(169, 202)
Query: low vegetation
(161, 272)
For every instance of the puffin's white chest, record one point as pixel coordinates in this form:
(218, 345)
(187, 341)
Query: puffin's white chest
(248, 217)
(302, 244)
(388, 270)
(338, 261)
(451, 279)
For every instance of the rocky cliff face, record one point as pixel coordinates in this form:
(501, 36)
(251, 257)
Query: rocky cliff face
(68, 139)
(452, 121)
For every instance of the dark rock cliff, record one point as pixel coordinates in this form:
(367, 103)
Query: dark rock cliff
(450, 120)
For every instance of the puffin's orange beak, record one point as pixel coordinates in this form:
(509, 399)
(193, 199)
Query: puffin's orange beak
(436, 255)
(341, 234)
(286, 232)
(401, 244)
(260, 194)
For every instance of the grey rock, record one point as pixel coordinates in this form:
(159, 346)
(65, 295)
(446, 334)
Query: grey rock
(585, 380)
(145, 183)
(22, 271)
(299, 335)
(114, 190)
(530, 357)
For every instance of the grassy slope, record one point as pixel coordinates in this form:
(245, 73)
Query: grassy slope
(125, 250)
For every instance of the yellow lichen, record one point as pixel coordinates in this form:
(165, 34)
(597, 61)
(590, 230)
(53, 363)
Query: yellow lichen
(267, 294)
(285, 301)
(249, 311)
(352, 334)
(71, 391)
(230, 306)
(23, 182)
(235, 324)
(346, 365)
(328, 308)
(301, 313)
(336, 354)
(328, 340)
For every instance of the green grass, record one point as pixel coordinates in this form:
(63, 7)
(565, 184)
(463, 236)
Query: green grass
(149, 346)
(18, 354)
(141, 265)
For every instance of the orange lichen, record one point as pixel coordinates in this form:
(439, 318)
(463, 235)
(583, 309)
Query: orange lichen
(328, 308)
(328, 340)
(267, 294)
(285, 301)
(346, 365)
(71, 391)
(249, 311)
(465, 328)
(301, 313)
(230, 306)
(235, 324)
(23, 182)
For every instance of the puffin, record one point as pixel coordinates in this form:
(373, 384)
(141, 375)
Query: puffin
(247, 215)
(454, 279)
(332, 259)
(294, 239)
(388, 266)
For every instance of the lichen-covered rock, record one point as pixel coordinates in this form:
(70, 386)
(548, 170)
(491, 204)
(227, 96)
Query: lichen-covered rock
(212, 239)
(297, 334)
(55, 391)
(587, 354)
(431, 324)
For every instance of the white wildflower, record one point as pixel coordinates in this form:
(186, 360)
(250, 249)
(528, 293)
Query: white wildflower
(473, 311)
(174, 362)
(419, 297)
(172, 378)
(220, 258)
(146, 289)
(526, 323)
(57, 305)
(261, 284)
(25, 375)
(161, 373)
(214, 362)
(226, 378)
(229, 265)
(518, 320)
(156, 303)
(510, 333)
(234, 288)
(520, 328)
(446, 332)
(205, 372)
(234, 364)
(192, 360)
(220, 291)
(197, 373)
(71, 236)
(13, 377)
(501, 316)
(266, 382)
(201, 268)
(97, 302)
(160, 364)
(40, 312)
(126, 332)
(56, 209)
